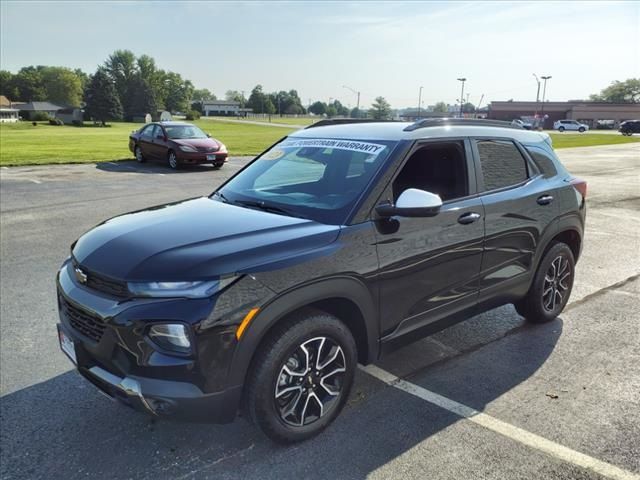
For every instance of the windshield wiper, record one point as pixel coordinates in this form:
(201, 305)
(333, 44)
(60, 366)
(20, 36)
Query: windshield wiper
(268, 208)
(224, 199)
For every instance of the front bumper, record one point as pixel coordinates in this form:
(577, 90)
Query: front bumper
(124, 366)
(198, 158)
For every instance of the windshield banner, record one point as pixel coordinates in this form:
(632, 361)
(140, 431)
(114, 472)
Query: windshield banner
(372, 148)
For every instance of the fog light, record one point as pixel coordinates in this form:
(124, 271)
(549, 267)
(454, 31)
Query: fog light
(171, 336)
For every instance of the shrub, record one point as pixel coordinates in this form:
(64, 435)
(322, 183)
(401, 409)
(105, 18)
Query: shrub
(40, 117)
(56, 121)
(192, 115)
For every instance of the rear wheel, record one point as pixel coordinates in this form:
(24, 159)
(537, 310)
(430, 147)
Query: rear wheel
(561, 129)
(172, 160)
(301, 377)
(139, 156)
(551, 287)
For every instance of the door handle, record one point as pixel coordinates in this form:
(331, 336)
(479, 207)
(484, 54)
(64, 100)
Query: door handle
(468, 218)
(545, 200)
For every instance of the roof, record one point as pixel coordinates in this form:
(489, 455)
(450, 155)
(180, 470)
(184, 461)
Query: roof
(4, 101)
(396, 131)
(220, 102)
(40, 106)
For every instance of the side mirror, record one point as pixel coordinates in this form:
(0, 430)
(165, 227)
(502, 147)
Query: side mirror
(412, 203)
(160, 137)
(208, 135)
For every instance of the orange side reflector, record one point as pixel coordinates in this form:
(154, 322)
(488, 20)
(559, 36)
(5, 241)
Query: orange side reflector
(246, 321)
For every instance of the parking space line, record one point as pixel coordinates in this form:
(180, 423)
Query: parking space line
(510, 431)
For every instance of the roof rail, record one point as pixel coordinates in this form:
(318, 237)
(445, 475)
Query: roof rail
(344, 121)
(439, 122)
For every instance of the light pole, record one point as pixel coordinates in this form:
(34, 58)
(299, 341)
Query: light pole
(419, 100)
(535, 113)
(358, 94)
(462, 94)
(544, 93)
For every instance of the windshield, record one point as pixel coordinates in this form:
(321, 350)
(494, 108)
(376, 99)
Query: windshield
(320, 179)
(178, 132)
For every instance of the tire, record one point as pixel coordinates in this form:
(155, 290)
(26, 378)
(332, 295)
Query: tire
(581, 129)
(561, 129)
(138, 154)
(551, 287)
(172, 160)
(217, 166)
(284, 395)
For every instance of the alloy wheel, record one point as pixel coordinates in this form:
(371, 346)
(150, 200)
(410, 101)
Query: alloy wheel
(310, 381)
(173, 161)
(139, 156)
(556, 283)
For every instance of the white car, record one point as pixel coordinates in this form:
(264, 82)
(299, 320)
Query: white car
(562, 125)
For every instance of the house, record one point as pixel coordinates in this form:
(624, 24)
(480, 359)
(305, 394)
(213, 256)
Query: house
(5, 102)
(29, 109)
(9, 115)
(70, 116)
(212, 108)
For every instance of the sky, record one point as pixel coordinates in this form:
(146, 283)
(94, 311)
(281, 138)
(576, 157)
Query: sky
(387, 49)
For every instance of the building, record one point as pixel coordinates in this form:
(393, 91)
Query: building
(590, 113)
(5, 102)
(70, 116)
(9, 115)
(212, 108)
(29, 109)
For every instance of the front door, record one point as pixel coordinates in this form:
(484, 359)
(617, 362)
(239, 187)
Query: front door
(429, 267)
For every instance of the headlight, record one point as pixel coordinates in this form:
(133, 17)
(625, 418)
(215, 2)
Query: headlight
(222, 148)
(187, 148)
(200, 289)
(171, 336)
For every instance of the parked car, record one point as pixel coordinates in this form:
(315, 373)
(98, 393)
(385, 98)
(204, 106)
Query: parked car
(176, 144)
(629, 127)
(521, 124)
(335, 246)
(562, 125)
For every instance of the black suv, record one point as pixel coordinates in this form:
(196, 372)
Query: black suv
(336, 245)
(629, 127)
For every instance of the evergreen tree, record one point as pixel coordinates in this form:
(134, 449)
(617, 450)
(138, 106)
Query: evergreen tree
(102, 98)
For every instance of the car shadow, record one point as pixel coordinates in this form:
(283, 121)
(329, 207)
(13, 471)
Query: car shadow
(131, 166)
(63, 428)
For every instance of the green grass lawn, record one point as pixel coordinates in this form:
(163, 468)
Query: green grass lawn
(568, 140)
(24, 144)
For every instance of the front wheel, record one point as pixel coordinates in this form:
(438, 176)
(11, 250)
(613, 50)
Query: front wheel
(301, 377)
(139, 156)
(581, 129)
(172, 160)
(551, 287)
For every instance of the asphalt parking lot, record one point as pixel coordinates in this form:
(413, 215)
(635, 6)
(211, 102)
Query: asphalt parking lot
(560, 400)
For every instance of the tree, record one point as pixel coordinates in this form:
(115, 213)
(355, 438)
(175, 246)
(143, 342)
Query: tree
(234, 96)
(356, 113)
(62, 85)
(102, 99)
(29, 86)
(340, 109)
(7, 85)
(201, 94)
(441, 107)
(468, 107)
(178, 92)
(380, 109)
(121, 67)
(142, 99)
(331, 111)
(620, 92)
(318, 108)
(258, 100)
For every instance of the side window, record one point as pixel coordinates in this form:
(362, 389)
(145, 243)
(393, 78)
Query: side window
(147, 133)
(438, 168)
(502, 164)
(544, 162)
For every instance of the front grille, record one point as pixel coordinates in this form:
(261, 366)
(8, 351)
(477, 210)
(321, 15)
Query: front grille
(106, 285)
(85, 323)
(206, 149)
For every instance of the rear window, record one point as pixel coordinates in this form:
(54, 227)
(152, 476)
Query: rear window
(502, 164)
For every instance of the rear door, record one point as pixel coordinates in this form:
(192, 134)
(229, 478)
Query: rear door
(519, 207)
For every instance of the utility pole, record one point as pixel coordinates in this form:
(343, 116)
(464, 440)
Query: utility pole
(462, 94)
(535, 114)
(419, 100)
(358, 94)
(544, 93)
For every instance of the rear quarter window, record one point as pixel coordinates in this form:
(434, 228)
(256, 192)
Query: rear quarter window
(543, 161)
(502, 164)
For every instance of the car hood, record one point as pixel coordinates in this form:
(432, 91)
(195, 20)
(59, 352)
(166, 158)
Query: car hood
(197, 142)
(198, 239)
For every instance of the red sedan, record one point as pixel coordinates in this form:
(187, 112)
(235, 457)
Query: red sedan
(176, 143)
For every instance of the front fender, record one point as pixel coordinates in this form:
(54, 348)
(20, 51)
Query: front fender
(342, 287)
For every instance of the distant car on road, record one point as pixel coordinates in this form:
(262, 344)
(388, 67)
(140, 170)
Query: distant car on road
(562, 125)
(176, 143)
(629, 127)
(521, 123)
